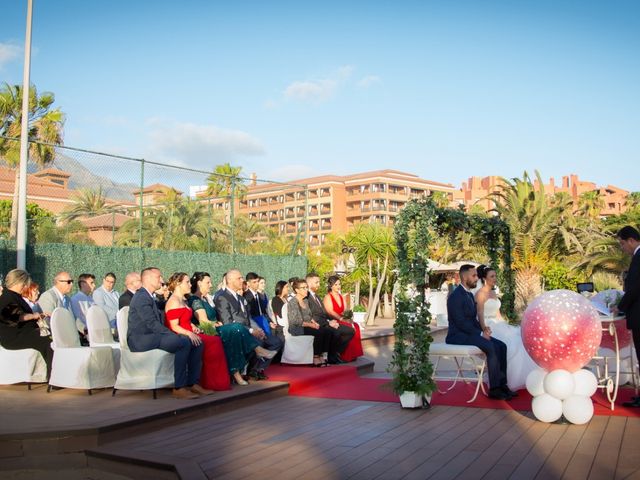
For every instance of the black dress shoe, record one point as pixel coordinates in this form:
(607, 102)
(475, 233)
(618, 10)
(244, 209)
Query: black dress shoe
(634, 403)
(335, 361)
(498, 394)
(262, 376)
(508, 392)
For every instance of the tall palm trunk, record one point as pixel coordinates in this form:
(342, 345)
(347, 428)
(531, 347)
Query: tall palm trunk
(371, 318)
(528, 286)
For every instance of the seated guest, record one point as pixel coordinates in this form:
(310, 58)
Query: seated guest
(132, 284)
(301, 322)
(30, 294)
(291, 292)
(231, 307)
(334, 304)
(106, 297)
(256, 306)
(18, 323)
(178, 317)
(82, 300)
(281, 297)
(239, 345)
(58, 295)
(147, 332)
(162, 295)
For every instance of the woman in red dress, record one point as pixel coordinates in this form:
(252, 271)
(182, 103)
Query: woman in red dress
(215, 375)
(334, 305)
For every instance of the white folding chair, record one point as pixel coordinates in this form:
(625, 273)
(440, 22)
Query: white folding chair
(25, 365)
(141, 370)
(298, 349)
(75, 366)
(99, 332)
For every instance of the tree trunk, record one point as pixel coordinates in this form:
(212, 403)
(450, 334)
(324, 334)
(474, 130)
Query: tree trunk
(370, 288)
(371, 318)
(13, 229)
(357, 295)
(528, 286)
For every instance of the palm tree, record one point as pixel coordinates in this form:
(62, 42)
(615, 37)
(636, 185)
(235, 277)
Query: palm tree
(375, 246)
(590, 204)
(45, 125)
(88, 202)
(224, 180)
(536, 231)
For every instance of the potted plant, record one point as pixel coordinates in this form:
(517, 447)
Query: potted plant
(410, 365)
(359, 315)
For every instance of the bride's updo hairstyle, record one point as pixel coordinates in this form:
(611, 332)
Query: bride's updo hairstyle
(483, 271)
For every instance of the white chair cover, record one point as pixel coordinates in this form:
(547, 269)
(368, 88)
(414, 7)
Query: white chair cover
(18, 366)
(141, 370)
(99, 331)
(75, 366)
(298, 349)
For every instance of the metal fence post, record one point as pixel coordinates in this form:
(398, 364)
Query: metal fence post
(113, 228)
(141, 205)
(209, 225)
(232, 217)
(306, 219)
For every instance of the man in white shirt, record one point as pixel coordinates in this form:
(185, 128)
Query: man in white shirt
(82, 300)
(106, 297)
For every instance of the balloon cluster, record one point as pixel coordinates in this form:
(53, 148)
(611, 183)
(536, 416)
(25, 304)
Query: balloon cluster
(560, 393)
(561, 331)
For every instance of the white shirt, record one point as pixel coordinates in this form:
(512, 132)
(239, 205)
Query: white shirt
(80, 303)
(108, 301)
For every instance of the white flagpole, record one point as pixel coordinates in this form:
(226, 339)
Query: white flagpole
(21, 234)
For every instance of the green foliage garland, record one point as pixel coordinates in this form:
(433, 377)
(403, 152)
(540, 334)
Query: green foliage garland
(413, 231)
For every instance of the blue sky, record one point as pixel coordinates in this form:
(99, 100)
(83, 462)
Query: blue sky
(443, 89)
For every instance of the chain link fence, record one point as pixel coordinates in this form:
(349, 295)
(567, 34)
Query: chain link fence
(86, 197)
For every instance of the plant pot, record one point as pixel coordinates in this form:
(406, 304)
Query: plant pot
(414, 400)
(410, 400)
(359, 318)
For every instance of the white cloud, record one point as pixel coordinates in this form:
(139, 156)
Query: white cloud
(8, 52)
(318, 90)
(287, 173)
(199, 145)
(368, 81)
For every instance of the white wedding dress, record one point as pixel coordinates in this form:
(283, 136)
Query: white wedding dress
(519, 363)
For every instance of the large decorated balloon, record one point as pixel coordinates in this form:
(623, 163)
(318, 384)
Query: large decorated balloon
(561, 330)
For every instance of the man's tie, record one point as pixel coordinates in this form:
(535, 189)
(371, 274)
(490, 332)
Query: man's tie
(65, 302)
(258, 302)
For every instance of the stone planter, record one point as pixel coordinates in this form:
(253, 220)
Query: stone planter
(413, 400)
(359, 318)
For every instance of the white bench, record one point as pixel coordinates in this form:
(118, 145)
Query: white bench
(467, 358)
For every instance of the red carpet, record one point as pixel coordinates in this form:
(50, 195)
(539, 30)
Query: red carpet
(343, 382)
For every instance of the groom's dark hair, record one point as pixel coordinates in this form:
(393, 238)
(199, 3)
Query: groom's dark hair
(628, 232)
(465, 268)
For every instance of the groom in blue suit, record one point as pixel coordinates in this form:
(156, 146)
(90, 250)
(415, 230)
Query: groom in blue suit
(465, 329)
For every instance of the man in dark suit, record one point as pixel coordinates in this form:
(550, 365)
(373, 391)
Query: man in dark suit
(147, 332)
(132, 284)
(629, 240)
(341, 335)
(464, 329)
(233, 308)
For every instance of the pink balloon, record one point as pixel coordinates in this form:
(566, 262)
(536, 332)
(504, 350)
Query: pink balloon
(561, 329)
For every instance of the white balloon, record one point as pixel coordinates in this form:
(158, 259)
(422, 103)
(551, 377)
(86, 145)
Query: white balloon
(535, 381)
(546, 408)
(577, 409)
(559, 384)
(586, 383)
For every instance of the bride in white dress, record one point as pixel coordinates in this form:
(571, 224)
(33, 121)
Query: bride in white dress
(519, 363)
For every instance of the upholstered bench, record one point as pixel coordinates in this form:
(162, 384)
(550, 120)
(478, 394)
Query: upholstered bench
(468, 359)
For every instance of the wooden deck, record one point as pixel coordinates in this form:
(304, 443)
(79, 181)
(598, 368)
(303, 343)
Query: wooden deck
(308, 438)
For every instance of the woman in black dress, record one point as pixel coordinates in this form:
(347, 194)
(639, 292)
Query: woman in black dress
(18, 324)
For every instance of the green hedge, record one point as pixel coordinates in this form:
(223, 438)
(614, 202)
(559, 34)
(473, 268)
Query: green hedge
(44, 261)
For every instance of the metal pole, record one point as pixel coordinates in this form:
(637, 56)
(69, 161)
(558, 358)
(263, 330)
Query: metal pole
(232, 216)
(113, 228)
(141, 205)
(21, 233)
(209, 225)
(306, 219)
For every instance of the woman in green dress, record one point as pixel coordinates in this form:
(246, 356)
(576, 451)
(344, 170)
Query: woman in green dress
(239, 344)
